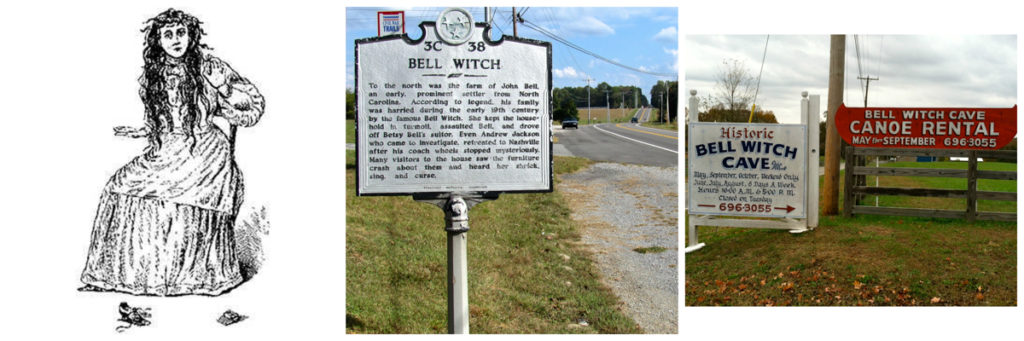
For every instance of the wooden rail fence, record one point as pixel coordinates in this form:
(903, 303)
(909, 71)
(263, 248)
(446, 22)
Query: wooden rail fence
(971, 194)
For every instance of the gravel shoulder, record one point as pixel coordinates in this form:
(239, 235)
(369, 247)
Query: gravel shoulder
(621, 208)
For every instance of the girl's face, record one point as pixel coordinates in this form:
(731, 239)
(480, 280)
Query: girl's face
(174, 40)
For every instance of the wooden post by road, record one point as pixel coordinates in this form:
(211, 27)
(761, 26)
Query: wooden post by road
(837, 62)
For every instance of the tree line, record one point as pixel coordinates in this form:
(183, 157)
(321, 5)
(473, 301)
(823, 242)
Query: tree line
(566, 100)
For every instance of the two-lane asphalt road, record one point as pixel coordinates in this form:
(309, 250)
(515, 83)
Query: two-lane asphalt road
(620, 142)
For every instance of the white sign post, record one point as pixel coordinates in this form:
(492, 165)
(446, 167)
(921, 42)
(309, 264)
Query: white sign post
(753, 170)
(453, 119)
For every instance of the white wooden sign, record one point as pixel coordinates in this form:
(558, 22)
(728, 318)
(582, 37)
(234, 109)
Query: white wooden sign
(754, 170)
(452, 112)
(743, 169)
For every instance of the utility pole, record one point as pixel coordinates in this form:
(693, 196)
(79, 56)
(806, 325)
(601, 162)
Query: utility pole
(607, 106)
(588, 98)
(862, 180)
(867, 87)
(668, 100)
(515, 19)
(662, 108)
(837, 61)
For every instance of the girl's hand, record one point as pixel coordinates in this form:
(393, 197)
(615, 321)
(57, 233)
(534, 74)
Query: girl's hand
(216, 75)
(131, 132)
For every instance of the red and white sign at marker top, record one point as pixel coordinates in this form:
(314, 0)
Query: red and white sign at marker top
(389, 23)
(938, 128)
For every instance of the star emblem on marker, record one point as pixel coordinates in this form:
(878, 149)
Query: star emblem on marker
(454, 26)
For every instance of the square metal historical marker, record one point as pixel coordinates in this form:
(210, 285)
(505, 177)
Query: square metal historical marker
(452, 112)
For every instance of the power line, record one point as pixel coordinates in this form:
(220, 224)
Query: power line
(860, 73)
(543, 31)
(757, 88)
(551, 18)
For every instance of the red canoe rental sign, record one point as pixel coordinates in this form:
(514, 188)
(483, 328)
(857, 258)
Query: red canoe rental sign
(934, 128)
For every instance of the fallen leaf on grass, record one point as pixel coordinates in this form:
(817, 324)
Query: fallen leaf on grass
(786, 286)
(742, 286)
(936, 300)
(857, 285)
(980, 296)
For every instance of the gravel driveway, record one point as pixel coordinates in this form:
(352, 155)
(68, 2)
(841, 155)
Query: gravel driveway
(622, 208)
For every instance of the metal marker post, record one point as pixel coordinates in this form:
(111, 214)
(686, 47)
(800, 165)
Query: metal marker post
(456, 216)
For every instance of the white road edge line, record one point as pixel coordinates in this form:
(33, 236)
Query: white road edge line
(637, 141)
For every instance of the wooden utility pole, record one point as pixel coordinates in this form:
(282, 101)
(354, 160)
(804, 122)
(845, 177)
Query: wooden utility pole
(588, 97)
(608, 106)
(862, 180)
(515, 28)
(867, 86)
(668, 100)
(661, 107)
(837, 62)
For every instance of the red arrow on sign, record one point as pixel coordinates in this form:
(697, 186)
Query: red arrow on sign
(787, 208)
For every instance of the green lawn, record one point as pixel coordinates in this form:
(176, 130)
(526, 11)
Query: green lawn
(658, 124)
(528, 272)
(943, 183)
(867, 259)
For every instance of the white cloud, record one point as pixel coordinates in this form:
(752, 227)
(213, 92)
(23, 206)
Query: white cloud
(567, 72)
(675, 58)
(586, 26)
(667, 35)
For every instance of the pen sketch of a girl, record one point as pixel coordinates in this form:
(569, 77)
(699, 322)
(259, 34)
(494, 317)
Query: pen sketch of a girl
(165, 224)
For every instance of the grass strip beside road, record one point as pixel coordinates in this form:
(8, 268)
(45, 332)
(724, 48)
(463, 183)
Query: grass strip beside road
(528, 272)
(646, 132)
(660, 125)
(654, 123)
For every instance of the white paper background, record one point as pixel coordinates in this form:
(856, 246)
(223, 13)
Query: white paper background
(69, 75)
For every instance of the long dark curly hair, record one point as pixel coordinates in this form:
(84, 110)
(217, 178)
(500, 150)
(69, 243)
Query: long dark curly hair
(155, 86)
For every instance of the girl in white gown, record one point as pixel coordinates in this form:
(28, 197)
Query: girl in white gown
(165, 222)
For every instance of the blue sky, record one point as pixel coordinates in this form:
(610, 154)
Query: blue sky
(643, 38)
